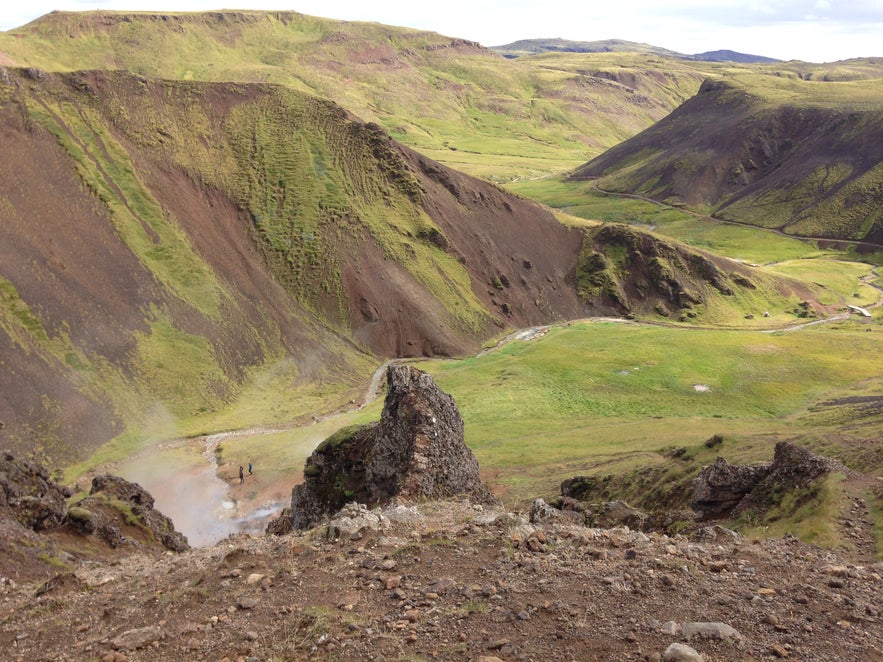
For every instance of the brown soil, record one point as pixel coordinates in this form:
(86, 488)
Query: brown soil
(453, 582)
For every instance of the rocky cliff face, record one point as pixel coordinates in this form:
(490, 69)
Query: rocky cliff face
(29, 495)
(416, 451)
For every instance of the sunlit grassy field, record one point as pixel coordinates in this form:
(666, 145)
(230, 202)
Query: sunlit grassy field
(602, 397)
(582, 200)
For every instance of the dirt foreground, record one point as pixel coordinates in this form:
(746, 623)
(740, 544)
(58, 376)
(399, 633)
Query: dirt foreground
(456, 581)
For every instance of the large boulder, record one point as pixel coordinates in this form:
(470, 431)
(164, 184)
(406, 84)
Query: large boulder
(793, 467)
(416, 451)
(719, 487)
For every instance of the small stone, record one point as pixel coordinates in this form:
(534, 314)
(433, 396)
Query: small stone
(718, 566)
(251, 635)
(137, 638)
(670, 627)
(681, 653)
(393, 582)
(246, 602)
(779, 650)
(836, 570)
(388, 564)
(711, 631)
(412, 615)
(254, 578)
(771, 619)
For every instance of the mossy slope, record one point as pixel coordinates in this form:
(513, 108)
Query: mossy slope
(800, 156)
(168, 245)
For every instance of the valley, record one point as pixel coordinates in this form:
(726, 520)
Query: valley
(219, 229)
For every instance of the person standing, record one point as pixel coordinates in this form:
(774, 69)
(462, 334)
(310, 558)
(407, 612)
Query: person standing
(241, 475)
(249, 468)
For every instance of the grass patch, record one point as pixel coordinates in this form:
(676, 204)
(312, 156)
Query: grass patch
(810, 513)
(607, 397)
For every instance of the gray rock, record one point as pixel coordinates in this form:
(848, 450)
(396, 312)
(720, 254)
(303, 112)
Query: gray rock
(138, 638)
(540, 511)
(681, 653)
(246, 602)
(720, 487)
(354, 519)
(26, 488)
(718, 631)
(670, 627)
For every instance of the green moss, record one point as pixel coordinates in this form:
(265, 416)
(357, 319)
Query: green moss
(342, 437)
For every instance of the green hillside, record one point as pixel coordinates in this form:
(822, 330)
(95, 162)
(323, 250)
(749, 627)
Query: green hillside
(451, 99)
(799, 152)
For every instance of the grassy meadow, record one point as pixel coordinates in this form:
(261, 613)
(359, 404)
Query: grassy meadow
(592, 394)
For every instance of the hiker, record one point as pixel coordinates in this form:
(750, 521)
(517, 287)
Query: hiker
(249, 468)
(241, 475)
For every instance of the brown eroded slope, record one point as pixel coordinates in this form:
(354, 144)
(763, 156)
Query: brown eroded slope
(162, 242)
(800, 156)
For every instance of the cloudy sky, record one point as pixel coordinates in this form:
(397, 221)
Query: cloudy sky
(811, 30)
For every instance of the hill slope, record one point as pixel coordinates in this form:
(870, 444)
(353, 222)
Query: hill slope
(163, 243)
(452, 99)
(803, 156)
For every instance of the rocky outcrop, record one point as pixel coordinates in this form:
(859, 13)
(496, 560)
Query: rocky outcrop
(721, 488)
(793, 467)
(416, 451)
(29, 495)
(112, 499)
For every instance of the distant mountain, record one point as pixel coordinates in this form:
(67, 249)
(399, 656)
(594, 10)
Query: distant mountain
(536, 46)
(732, 56)
(440, 95)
